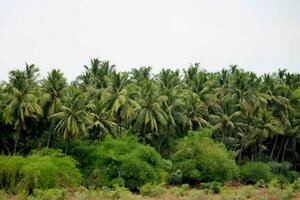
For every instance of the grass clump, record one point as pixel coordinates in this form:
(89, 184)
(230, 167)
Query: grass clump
(50, 194)
(180, 191)
(152, 190)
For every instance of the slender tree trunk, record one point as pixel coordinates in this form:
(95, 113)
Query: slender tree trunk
(274, 146)
(235, 142)
(260, 148)
(48, 140)
(279, 151)
(67, 147)
(283, 152)
(160, 143)
(144, 135)
(16, 141)
(223, 135)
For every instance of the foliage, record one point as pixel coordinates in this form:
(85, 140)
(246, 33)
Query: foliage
(175, 177)
(253, 172)
(121, 161)
(38, 172)
(199, 158)
(255, 117)
(212, 187)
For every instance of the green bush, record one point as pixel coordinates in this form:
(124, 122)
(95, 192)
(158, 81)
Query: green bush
(120, 161)
(200, 159)
(212, 187)
(284, 169)
(152, 190)
(38, 171)
(175, 177)
(253, 172)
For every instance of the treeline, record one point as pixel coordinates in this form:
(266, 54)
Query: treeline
(256, 117)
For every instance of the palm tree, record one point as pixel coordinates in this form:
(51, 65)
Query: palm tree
(195, 111)
(225, 121)
(141, 74)
(168, 78)
(72, 119)
(120, 98)
(265, 126)
(101, 120)
(97, 74)
(151, 118)
(23, 104)
(52, 91)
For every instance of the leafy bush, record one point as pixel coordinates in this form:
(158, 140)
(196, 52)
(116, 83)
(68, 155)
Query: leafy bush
(121, 161)
(152, 190)
(212, 187)
(200, 159)
(175, 177)
(296, 184)
(253, 172)
(53, 169)
(284, 169)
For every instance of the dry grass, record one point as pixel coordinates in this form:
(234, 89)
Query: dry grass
(227, 193)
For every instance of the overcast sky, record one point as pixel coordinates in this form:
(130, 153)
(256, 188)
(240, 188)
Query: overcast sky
(258, 35)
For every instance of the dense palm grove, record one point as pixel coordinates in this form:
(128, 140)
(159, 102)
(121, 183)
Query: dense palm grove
(256, 117)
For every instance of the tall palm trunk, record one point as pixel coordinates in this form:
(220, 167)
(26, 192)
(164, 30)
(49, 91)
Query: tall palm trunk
(279, 151)
(273, 149)
(48, 140)
(17, 141)
(283, 152)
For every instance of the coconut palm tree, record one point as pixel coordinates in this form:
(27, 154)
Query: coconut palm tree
(72, 119)
(120, 98)
(152, 119)
(52, 91)
(23, 104)
(101, 120)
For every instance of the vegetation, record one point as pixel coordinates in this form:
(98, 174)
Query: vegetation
(256, 171)
(41, 170)
(121, 162)
(139, 131)
(200, 159)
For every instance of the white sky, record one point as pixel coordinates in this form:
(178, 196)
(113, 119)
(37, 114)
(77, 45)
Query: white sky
(258, 35)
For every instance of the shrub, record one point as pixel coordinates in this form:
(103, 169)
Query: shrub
(121, 161)
(200, 159)
(284, 169)
(38, 171)
(296, 184)
(212, 187)
(175, 177)
(152, 190)
(253, 172)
